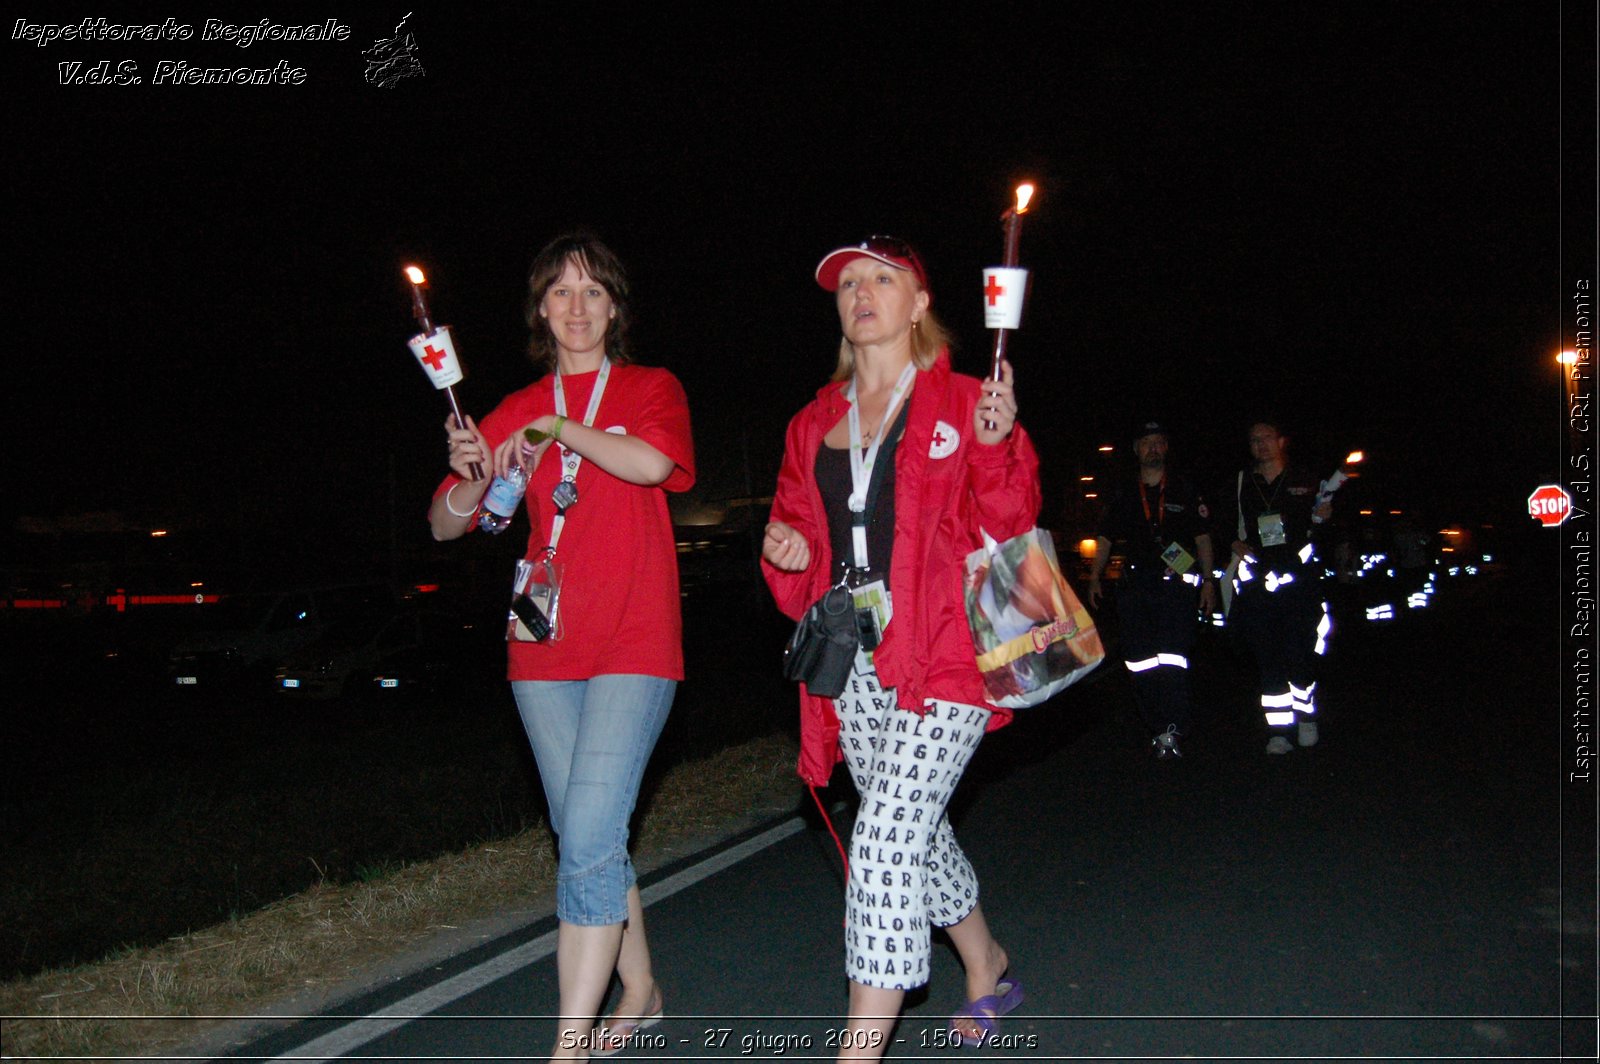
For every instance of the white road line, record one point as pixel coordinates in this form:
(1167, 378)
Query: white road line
(354, 1035)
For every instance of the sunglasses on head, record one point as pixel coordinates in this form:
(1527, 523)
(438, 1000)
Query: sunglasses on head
(895, 248)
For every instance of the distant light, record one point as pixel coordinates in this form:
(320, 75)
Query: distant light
(1091, 495)
(1088, 548)
(700, 515)
(1354, 458)
(1087, 480)
(1449, 531)
(425, 589)
(1366, 513)
(197, 583)
(158, 533)
(1106, 449)
(1396, 513)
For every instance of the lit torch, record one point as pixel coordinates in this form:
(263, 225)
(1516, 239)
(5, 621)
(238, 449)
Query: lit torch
(419, 302)
(1345, 472)
(436, 350)
(1005, 286)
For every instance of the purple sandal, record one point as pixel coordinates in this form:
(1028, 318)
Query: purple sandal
(985, 1011)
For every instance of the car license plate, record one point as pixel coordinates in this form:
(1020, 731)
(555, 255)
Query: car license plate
(291, 683)
(388, 682)
(188, 680)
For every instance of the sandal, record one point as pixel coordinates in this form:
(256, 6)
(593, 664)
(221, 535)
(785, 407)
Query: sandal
(983, 1012)
(613, 1036)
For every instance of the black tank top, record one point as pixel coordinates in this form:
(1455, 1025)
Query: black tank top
(833, 480)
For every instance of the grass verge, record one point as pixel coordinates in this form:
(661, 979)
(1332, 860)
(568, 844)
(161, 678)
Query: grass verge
(308, 946)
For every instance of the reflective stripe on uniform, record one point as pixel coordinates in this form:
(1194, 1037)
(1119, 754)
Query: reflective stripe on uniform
(1175, 660)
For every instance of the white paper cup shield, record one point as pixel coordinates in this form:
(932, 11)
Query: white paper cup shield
(437, 353)
(1003, 289)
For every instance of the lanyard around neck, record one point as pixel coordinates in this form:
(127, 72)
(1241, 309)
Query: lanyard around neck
(861, 464)
(1161, 503)
(1257, 479)
(570, 459)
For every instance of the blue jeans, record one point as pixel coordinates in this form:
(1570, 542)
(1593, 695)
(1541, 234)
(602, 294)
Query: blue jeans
(591, 739)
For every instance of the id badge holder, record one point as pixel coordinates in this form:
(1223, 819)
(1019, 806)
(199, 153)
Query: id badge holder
(1272, 531)
(535, 602)
(872, 617)
(1178, 560)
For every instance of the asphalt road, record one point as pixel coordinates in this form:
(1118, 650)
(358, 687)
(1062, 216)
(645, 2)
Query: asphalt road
(1394, 893)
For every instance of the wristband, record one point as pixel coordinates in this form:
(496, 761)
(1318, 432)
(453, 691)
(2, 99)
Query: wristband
(556, 427)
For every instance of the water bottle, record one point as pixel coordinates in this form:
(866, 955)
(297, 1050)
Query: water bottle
(502, 499)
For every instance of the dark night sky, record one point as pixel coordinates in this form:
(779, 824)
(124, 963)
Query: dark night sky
(1347, 213)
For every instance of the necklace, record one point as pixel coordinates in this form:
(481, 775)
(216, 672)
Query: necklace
(868, 434)
(863, 455)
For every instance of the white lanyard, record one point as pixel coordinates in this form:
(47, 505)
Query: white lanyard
(861, 464)
(571, 460)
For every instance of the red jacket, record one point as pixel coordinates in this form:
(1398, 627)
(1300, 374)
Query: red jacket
(947, 487)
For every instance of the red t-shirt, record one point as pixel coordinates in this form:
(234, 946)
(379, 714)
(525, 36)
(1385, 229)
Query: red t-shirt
(619, 592)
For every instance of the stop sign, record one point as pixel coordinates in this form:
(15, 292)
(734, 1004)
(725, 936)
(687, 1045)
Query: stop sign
(1550, 503)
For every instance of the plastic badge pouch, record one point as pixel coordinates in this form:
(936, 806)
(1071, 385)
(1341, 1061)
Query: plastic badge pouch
(1272, 531)
(1178, 560)
(535, 602)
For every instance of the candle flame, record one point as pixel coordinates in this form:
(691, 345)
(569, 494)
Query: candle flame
(1353, 458)
(1024, 194)
(416, 275)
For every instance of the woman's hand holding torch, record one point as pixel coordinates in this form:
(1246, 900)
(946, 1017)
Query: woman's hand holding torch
(1004, 288)
(436, 350)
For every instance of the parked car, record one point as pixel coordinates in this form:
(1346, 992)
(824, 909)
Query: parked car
(383, 654)
(245, 635)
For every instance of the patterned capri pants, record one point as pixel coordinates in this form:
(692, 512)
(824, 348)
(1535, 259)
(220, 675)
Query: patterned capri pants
(906, 871)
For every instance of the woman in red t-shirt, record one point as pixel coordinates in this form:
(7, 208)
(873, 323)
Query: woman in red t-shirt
(594, 693)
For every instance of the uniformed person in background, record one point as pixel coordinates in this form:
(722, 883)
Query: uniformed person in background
(1160, 525)
(1277, 604)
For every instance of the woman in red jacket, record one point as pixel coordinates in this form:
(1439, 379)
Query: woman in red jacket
(951, 461)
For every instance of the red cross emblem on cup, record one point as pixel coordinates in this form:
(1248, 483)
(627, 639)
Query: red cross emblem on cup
(1003, 289)
(437, 353)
